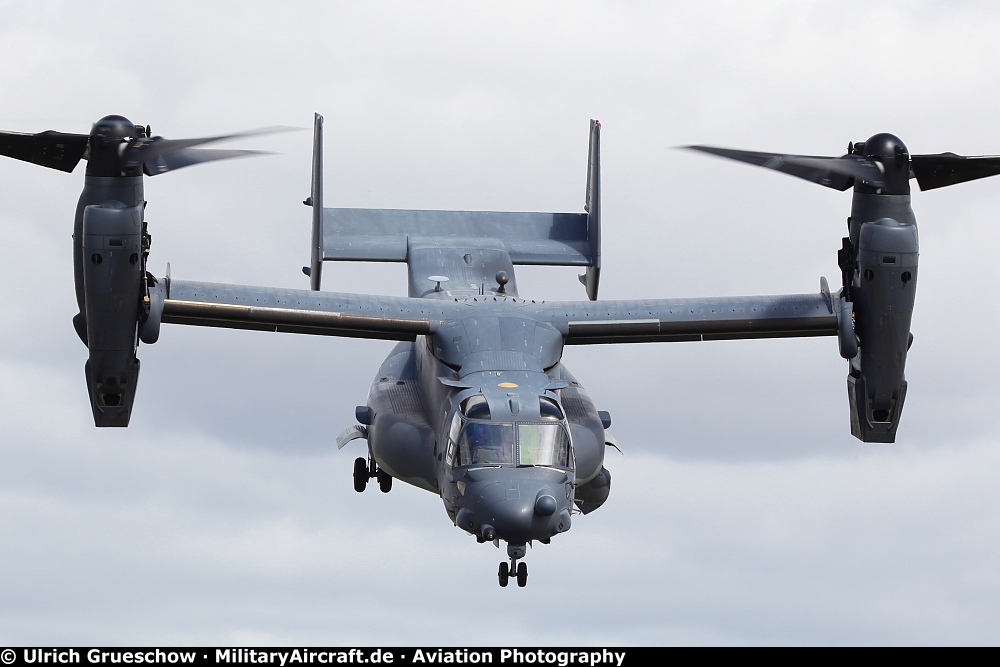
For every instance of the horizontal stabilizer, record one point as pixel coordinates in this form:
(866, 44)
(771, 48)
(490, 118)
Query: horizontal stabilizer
(381, 235)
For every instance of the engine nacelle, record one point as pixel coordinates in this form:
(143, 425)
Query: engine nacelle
(113, 290)
(882, 289)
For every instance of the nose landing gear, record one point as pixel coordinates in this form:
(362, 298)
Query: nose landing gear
(520, 573)
(365, 469)
(515, 569)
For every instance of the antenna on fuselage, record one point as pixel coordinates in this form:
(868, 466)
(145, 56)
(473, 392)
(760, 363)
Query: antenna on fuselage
(438, 280)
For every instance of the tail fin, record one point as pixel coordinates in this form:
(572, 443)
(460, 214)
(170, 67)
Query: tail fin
(592, 277)
(315, 200)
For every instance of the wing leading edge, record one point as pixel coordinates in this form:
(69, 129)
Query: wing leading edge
(725, 318)
(580, 322)
(303, 311)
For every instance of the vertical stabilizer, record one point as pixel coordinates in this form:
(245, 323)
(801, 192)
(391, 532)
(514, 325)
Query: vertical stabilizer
(593, 207)
(316, 201)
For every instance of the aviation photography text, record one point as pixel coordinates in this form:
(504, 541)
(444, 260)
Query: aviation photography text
(311, 656)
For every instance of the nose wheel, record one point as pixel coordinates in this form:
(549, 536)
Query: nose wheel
(365, 469)
(520, 572)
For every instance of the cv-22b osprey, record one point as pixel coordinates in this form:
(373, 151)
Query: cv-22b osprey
(474, 403)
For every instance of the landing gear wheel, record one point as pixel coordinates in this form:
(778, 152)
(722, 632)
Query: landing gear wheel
(384, 481)
(504, 574)
(360, 474)
(522, 575)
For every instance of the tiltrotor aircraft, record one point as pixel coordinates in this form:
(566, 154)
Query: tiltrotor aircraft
(473, 403)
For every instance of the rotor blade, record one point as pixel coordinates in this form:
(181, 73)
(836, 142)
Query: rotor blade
(149, 150)
(838, 173)
(943, 169)
(186, 157)
(55, 150)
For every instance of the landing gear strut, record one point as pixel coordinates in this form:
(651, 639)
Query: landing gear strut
(518, 570)
(365, 469)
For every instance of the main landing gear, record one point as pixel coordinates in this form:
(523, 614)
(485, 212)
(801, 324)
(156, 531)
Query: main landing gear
(515, 569)
(365, 469)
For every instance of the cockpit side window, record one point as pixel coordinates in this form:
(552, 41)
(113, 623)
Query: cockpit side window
(456, 426)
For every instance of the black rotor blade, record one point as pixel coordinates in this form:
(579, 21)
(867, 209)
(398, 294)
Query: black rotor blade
(151, 150)
(186, 157)
(943, 169)
(838, 173)
(55, 150)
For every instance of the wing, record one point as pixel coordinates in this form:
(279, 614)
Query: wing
(724, 318)
(303, 311)
(580, 322)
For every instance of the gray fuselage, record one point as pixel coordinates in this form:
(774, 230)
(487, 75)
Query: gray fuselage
(482, 412)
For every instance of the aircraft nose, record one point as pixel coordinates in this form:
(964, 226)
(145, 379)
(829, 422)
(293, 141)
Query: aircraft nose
(519, 508)
(513, 517)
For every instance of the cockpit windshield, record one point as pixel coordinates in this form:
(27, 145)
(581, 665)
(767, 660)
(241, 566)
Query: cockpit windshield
(486, 444)
(494, 444)
(542, 445)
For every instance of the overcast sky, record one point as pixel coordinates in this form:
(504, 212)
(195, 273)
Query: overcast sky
(742, 511)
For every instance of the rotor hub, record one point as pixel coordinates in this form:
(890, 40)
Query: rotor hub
(106, 139)
(112, 130)
(891, 154)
